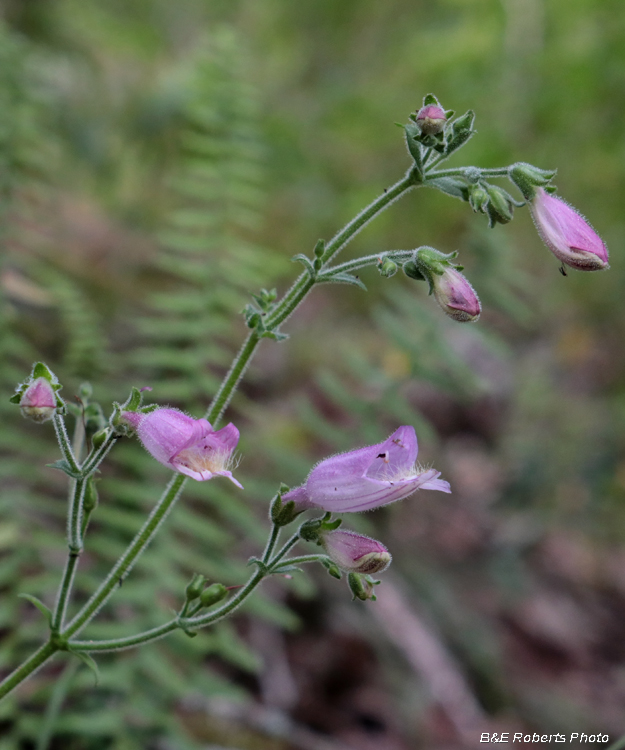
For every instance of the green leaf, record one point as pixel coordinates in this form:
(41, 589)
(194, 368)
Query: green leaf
(90, 662)
(454, 186)
(45, 611)
(62, 465)
(275, 335)
(306, 262)
(344, 278)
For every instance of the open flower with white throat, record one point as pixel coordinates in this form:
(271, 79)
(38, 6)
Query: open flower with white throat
(189, 446)
(368, 477)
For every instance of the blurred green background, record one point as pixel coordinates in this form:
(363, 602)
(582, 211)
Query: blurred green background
(160, 162)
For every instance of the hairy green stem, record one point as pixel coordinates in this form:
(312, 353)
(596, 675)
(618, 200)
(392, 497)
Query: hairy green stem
(288, 304)
(460, 171)
(34, 661)
(64, 443)
(338, 242)
(302, 559)
(74, 540)
(126, 561)
(365, 260)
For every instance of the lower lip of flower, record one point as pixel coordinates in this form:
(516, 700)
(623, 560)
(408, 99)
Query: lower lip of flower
(203, 461)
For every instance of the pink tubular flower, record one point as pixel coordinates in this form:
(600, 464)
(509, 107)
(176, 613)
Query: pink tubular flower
(567, 234)
(355, 552)
(38, 401)
(184, 444)
(431, 119)
(455, 295)
(368, 477)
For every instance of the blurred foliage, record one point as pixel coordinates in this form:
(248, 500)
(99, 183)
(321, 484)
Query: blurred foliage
(160, 162)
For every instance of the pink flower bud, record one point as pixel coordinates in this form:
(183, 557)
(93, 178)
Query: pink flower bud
(567, 234)
(455, 295)
(38, 401)
(431, 119)
(184, 444)
(368, 477)
(355, 552)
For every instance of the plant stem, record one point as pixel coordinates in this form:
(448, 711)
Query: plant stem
(303, 559)
(41, 655)
(126, 561)
(362, 262)
(97, 456)
(74, 539)
(618, 745)
(233, 377)
(64, 443)
(288, 304)
(116, 644)
(271, 543)
(338, 242)
(460, 171)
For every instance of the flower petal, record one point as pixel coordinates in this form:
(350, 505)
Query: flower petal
(396, 455)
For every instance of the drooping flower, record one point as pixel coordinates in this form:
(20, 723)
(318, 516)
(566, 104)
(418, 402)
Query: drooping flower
(431, 119)
(355, 552)
(38, 401)
(456, 296)
(567, 234)
(368, 477)
(184, 444)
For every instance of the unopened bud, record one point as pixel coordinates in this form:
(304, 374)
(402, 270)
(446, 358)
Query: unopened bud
(387, 267)
(90, 501)
(456, 296)
(567, 234)
(38, 402)
(355, 552)
(431, 119)
(362, 586)
(213, 594)
(500, 208)
(194, 589)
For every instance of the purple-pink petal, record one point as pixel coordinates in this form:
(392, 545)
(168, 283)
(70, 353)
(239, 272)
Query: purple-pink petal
(567, 234)
(189, 446)
(368, 477)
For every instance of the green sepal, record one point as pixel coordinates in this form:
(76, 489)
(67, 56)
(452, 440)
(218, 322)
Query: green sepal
(149, 408)
(306, 262)
(412, 271)
(457, 141)
(414, 147)
(332, 568)
(16, 398)
(89, 661)
(45, 611)
(310, 531)
(464, 122)
(134, 400)
(430, 99)
(63, 465)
